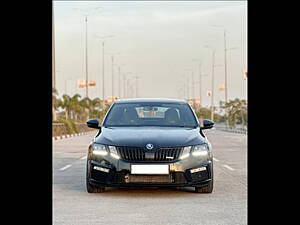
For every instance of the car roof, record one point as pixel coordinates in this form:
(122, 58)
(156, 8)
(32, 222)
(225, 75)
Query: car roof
(155, 100)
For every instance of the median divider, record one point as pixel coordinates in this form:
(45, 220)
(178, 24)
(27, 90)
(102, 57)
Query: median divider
(61, 131)
(69, 136)
(232, 130)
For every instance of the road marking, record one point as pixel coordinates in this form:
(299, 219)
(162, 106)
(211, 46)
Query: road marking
(216, 159)
(84, 157)
(66, 167)
(228, 167)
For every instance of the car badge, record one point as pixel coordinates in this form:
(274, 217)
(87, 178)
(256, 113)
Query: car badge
(149, 146)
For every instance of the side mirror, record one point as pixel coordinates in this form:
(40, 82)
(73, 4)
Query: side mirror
(207, 124)
(93, 123)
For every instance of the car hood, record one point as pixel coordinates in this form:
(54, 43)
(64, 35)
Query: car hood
(158, 136)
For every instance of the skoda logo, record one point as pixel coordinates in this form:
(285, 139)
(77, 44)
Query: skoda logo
(149, 146)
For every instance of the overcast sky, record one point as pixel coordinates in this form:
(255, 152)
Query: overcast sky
(157, 41)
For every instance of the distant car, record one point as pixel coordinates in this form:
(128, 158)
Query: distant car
(150, 142)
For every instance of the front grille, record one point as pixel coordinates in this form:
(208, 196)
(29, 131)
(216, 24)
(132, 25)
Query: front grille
(148, 179)
(173, 178)
(140, 154)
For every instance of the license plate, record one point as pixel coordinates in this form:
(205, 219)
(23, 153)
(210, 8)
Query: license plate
(149, 169)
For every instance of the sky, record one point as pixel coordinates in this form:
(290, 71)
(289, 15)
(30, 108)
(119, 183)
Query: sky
(160, 42)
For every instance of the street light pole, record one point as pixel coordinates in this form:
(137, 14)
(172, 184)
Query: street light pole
(212, 79)
(112, 77)
(102, 38)
(53, 49)
(112, 73)
(225, 66)
(86, 61)
(200, 85)
(119, 81)
(103, 78)
(193, 90)
(225, 70)
(212, 86)
(53, 62)
(187, 86)
(86, 46)
(124, 85)
(136, 85)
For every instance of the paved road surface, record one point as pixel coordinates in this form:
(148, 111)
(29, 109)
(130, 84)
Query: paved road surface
(179, 206)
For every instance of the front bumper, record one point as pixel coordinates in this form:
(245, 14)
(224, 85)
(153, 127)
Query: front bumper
(112, 173)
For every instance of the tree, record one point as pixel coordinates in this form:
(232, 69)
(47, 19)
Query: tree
(55, 103)
(66, 105)
(236, 109)
(75, 106)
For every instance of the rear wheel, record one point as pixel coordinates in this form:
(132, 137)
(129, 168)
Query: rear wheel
(89, 187)
(205, 189)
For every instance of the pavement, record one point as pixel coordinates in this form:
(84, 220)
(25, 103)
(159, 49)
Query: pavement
(227, 205)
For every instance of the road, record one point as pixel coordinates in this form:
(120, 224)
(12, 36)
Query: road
(177, 206)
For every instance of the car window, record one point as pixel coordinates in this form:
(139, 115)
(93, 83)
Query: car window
(151, 114)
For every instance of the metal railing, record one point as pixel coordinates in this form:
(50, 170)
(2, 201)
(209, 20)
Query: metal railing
(238, 130)
(59, 129)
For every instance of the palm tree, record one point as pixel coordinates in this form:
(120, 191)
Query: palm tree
(65, 104)
(75, 107)
(86, 104)
(55, 102)
(95, 107)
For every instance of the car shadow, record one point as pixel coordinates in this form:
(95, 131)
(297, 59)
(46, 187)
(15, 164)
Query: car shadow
(133, 192)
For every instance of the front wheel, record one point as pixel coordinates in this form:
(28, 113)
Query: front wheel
(205, 189)
(89, 187)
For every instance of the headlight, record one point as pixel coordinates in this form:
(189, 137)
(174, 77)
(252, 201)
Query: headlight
(200, 150)
(113, 152)
(99, 149)
(186, 152)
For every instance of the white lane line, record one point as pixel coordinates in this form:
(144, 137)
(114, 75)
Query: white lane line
(65, 167)
(216, 159)
(228, 167)
(84, 157)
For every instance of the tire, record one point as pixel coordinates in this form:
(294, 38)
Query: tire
(89, 187)
(205, 189)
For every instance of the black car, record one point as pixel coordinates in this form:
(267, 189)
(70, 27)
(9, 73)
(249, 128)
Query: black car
(150, 142)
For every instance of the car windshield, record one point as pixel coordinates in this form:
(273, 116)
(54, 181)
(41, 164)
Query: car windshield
(150, 114)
